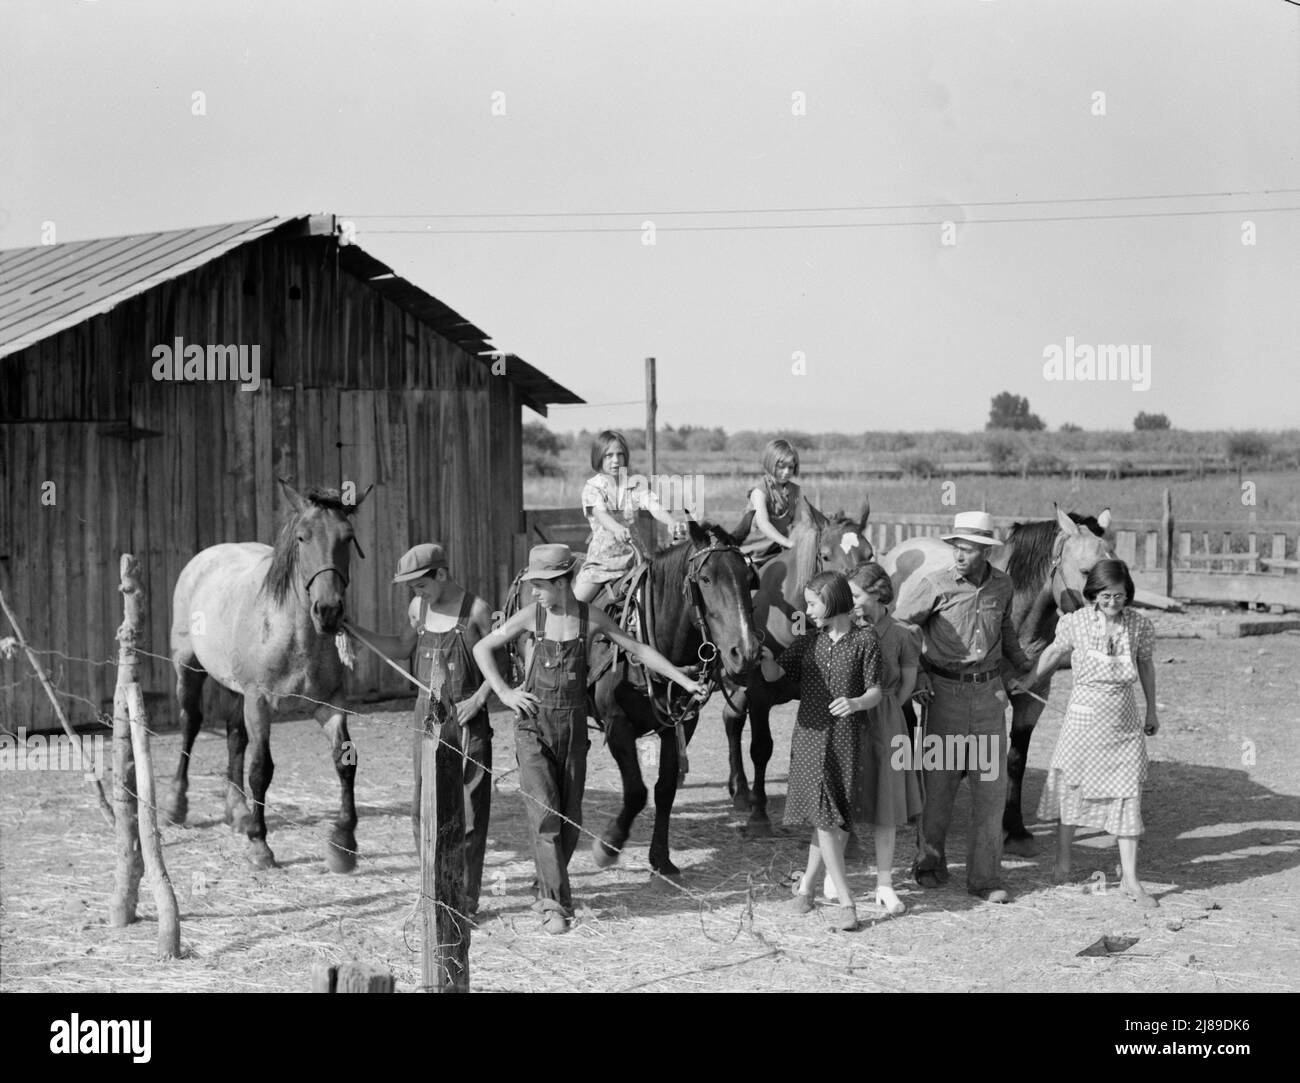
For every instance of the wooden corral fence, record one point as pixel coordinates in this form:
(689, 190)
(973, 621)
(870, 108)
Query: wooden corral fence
(1252, 561)
(1215, 561)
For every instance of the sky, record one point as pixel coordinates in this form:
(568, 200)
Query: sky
(1100, 165)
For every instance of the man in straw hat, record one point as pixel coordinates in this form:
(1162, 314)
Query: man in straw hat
(551, 714)
(446, 621)
(964, 613)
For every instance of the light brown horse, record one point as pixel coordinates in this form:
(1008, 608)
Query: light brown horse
(261, 622)
(1048, 561)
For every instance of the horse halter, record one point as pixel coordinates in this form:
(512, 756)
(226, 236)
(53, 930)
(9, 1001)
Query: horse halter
(321, 571)
(334, 568)
(691, 588)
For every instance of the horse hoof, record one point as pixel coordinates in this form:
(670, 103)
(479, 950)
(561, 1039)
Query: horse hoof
(759, 826)
(604, 854)
(740, 802)
(177, 809)
(341, 852)
(1020, 845)
(259, 855)
(665, 867)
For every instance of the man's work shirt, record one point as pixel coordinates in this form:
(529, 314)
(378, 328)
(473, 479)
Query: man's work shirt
(967, 628)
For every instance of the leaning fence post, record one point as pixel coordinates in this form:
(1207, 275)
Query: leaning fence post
(445, 953)
(169, 921)
(130, 866)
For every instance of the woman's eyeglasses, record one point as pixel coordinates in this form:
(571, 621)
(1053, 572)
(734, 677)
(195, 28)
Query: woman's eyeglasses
(1112, 598)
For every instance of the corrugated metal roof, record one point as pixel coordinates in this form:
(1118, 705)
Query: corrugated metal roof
(49, 288)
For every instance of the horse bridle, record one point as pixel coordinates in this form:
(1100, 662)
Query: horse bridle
(707, 651)
(334, 568)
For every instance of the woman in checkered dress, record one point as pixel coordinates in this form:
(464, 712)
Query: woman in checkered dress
(1100, 761)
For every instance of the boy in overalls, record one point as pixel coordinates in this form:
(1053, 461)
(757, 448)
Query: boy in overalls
(551, 714)
(446, 622)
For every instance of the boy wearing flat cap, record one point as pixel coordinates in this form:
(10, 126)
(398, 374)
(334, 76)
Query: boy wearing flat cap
(551, 713)
(446, 622)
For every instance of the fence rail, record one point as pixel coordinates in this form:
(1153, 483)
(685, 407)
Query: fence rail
(1213, 560)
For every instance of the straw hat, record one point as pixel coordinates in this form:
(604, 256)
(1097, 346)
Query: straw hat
(973, 526)
(549, 562)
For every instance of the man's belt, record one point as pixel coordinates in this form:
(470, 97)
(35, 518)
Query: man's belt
(965, 678)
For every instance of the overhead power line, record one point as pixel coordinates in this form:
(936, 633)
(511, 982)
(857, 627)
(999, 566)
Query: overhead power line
(833, 210)
(430, 231)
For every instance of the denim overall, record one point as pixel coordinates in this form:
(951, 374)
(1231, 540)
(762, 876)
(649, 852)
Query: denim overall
(552, 750)
(463, 679)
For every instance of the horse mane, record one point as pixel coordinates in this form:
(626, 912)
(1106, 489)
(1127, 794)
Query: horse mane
(282, 574)
(1032, 546)
(805, 532)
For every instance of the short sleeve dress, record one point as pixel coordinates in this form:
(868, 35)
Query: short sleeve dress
(825, 751)
(887, 791)
(1100, 761)
(607, 557)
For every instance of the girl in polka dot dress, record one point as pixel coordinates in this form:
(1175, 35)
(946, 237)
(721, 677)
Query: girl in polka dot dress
(1100, 761)
(838, 668)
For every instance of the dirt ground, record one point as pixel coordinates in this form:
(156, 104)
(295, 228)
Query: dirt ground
(1222, 807)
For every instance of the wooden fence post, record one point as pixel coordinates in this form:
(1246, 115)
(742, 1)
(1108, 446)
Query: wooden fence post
(1167, 522)
(169, 921)
(445, 954)
(130, 865)
(351, 978)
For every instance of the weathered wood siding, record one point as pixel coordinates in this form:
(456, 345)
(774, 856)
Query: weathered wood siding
(415, 414)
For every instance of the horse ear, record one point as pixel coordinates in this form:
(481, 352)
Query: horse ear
(295, 498)
(1103, 520)
(361, 499)
(1068, 526)
(698, 534)
(742, 530)
(866, 514)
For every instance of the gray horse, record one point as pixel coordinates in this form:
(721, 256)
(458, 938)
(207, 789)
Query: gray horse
(261, 622)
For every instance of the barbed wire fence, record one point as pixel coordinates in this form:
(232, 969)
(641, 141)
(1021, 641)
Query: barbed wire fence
(716, 925)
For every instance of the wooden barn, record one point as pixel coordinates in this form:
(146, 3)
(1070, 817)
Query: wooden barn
(361, 377)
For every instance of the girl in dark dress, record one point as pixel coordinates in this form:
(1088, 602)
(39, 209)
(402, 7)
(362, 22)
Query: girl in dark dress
(838, 668)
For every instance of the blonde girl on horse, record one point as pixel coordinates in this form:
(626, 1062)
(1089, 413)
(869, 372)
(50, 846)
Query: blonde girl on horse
(776, 497)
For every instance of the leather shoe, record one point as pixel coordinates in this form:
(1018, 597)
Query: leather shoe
(992, 895)
(929, 878)
(801, 903)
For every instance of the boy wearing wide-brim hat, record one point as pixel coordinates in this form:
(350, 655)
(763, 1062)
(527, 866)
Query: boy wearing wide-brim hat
(964, 614)
(551, 713)
(446, 621)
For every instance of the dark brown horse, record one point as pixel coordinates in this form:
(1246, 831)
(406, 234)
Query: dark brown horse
(706, 573)
(835, 544)
(1048, 562)
(709, 566)
(261, 622)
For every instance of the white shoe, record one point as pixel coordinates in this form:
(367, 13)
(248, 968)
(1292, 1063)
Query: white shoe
(828, 889)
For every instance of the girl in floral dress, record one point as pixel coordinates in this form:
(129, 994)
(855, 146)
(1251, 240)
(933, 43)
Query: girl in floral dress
(1100, 761)
(609, 508)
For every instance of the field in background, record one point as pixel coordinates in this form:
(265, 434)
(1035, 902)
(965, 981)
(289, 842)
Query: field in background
(1214, 497)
